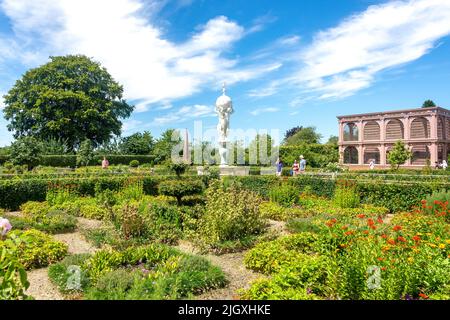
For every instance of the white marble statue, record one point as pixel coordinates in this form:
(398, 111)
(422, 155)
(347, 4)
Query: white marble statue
(224, 108)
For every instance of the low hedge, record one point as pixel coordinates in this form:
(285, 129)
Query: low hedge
(15, 192)
(394, 195)
(71, 160)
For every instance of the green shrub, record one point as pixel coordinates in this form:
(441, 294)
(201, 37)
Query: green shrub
(231, 214)
(37, 249)
(273, 256)
(274, 211)
(134, 163)
(180, 189)
(299, 225)
(284, 195)
(346, 196)
(50, 221)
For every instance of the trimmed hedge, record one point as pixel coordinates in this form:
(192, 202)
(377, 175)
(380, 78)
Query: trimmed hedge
(15, 192)
(71, 160)
(394, 195)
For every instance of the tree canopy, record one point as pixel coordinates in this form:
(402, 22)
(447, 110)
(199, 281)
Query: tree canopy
(71, 99)
(137, 143)
(428, 104)
(304, 135)
(163, 146)
(398, 155)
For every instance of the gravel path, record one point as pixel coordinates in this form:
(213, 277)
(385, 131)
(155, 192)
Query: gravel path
(41, 287)
(232, 264)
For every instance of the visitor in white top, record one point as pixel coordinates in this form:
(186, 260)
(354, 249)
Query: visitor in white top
(372, 164)
(444, 165)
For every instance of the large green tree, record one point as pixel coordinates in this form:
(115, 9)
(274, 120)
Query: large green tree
(304, 135)
(164, 145)
(71, 98)
(137, 143)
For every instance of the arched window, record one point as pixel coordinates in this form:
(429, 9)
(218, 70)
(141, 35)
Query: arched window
(440, 128)
(420, 128)
(420, 154)
(394, 130)
(371, 131)
(351, 155)
(371, 153)
(350, 132)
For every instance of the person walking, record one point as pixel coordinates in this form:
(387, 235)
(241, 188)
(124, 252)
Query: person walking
(302, 164)
(279, 167)
(372, 164)
(295, 168)
(105, 163)
(444, 165)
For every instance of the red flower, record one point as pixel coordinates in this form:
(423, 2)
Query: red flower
(423, 295)
(383, 268)
(366, 232)
(380, 259)
(348, 233)
(424, 201)
(416, 238)
(379, 220)
(397, 228)
(391, 241)
(361, 216)
(370, 222)
(400, 238)
(384, 236)
(373, 227)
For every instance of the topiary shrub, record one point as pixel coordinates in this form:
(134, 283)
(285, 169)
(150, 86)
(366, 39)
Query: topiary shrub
(180, 188)
(134, 163)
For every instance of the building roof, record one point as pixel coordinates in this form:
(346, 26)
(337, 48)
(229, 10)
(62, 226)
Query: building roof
(394, 111)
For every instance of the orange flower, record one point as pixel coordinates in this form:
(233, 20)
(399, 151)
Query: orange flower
(400, 238)
(344, 227)
(361, 216)
(373, 227)
(380, 259)
(391, 241)
(348, 233)
(416, 238)
(370, 222)
(366, 232)
(384, 236)
(383, 268)
(379, 220)
(423, 295)
(397, 228)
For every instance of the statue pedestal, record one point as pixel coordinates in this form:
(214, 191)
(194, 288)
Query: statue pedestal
(234, 171)
(225, 170)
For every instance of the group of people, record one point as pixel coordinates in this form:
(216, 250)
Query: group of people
(297, 168)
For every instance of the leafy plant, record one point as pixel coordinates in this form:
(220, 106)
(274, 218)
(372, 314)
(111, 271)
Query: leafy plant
(398, 154)
(231, 214)
(285, 195)
(346, 195)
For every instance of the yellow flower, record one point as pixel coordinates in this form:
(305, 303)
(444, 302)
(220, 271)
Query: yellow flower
(448, 241)
(442, 246)
(410, 259)
(432, 245)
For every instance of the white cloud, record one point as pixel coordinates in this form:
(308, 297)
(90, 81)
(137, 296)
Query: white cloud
(259, 111)
(346, 59)
(134, 50)
(131, 125)
(184, 114)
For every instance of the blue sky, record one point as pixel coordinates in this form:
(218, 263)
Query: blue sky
(286, 63)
